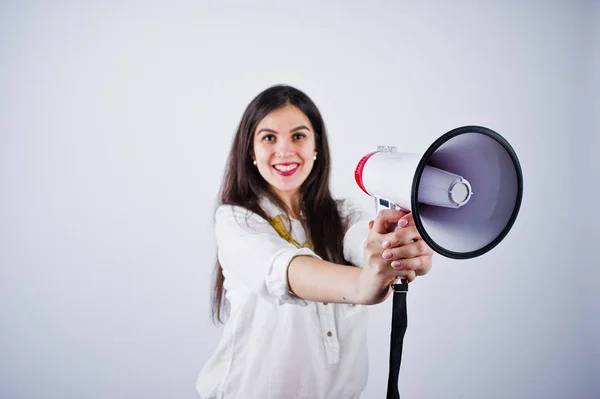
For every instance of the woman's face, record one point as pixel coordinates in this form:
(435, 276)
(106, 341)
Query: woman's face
(284, 147)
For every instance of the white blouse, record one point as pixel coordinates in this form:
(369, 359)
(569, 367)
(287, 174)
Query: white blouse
(274, 344)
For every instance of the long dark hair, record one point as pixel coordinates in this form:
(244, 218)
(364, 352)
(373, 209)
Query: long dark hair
(244, 186)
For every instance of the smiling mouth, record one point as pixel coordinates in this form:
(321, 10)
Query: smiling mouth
(286, 167)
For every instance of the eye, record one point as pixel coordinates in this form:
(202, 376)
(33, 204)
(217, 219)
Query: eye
(268, 137)
(299, 136)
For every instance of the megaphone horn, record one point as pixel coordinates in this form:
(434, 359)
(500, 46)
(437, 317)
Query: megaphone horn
(465, 191)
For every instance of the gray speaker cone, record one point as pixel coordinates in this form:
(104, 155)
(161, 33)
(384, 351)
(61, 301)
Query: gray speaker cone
(488, 162)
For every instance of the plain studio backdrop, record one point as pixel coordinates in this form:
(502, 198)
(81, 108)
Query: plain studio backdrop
(116, 119)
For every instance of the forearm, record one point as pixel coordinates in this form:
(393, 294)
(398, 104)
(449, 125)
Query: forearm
(321, 281)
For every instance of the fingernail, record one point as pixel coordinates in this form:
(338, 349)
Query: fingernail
(386, 244)
(387, 254)
(402, 222)
(397, 263)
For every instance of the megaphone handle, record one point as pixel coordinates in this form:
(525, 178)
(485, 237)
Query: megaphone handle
(399, 325)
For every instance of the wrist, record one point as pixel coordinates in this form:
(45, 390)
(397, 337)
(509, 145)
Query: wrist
(358, 294)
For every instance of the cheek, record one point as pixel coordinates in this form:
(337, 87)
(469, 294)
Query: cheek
(260, 152)
(308, 154)
(309, 163)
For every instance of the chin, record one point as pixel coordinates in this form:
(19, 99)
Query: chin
(287, 189)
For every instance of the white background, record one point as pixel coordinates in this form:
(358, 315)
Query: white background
(115, 122)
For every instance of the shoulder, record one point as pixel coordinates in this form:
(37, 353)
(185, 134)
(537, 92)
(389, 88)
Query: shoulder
(226, 210)
(262, 209)
(351, 211)
(239, 217)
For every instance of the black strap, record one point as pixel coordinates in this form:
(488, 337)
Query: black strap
(399, 324)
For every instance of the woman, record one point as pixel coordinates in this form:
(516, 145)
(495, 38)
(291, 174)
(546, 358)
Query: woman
(286, 257)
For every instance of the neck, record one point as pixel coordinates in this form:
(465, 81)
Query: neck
(292, 203)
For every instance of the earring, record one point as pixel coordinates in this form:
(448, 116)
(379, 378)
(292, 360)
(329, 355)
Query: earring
(254, 162)
(315, 156)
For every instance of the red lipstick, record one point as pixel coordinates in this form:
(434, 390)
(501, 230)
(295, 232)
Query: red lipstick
(288, 172)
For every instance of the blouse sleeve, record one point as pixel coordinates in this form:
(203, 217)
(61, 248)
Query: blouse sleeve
(250, 250)
(357, 220)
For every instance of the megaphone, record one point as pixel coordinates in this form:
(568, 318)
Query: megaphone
(465, 191)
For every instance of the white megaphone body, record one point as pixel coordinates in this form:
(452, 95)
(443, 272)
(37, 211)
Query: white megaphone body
(464, 192)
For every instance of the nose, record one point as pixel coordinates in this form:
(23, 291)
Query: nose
(283, 149)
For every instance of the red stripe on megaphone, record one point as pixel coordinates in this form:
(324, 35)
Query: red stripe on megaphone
(359, 171)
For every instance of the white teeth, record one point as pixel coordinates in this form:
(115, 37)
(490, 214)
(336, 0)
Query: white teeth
(286, 168)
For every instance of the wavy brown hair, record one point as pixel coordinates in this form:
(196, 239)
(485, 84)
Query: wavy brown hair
(244, 186)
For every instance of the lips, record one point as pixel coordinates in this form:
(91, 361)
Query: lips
(286, 169)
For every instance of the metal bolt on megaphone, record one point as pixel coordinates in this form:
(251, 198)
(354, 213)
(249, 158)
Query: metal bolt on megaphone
(386, 148)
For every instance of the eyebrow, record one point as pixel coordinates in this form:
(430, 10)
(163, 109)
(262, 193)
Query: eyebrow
(301, 127)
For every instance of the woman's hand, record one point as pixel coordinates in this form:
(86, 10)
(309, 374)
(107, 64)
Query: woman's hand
(406, 250)
(393, 249)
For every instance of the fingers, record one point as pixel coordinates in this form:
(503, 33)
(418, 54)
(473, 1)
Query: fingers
(420, 265)
(410, 250)
(385, 218)
(410, 256)
(400, 253)
(401, 236)
(403, 249)
(406, 220)
(373, 257)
